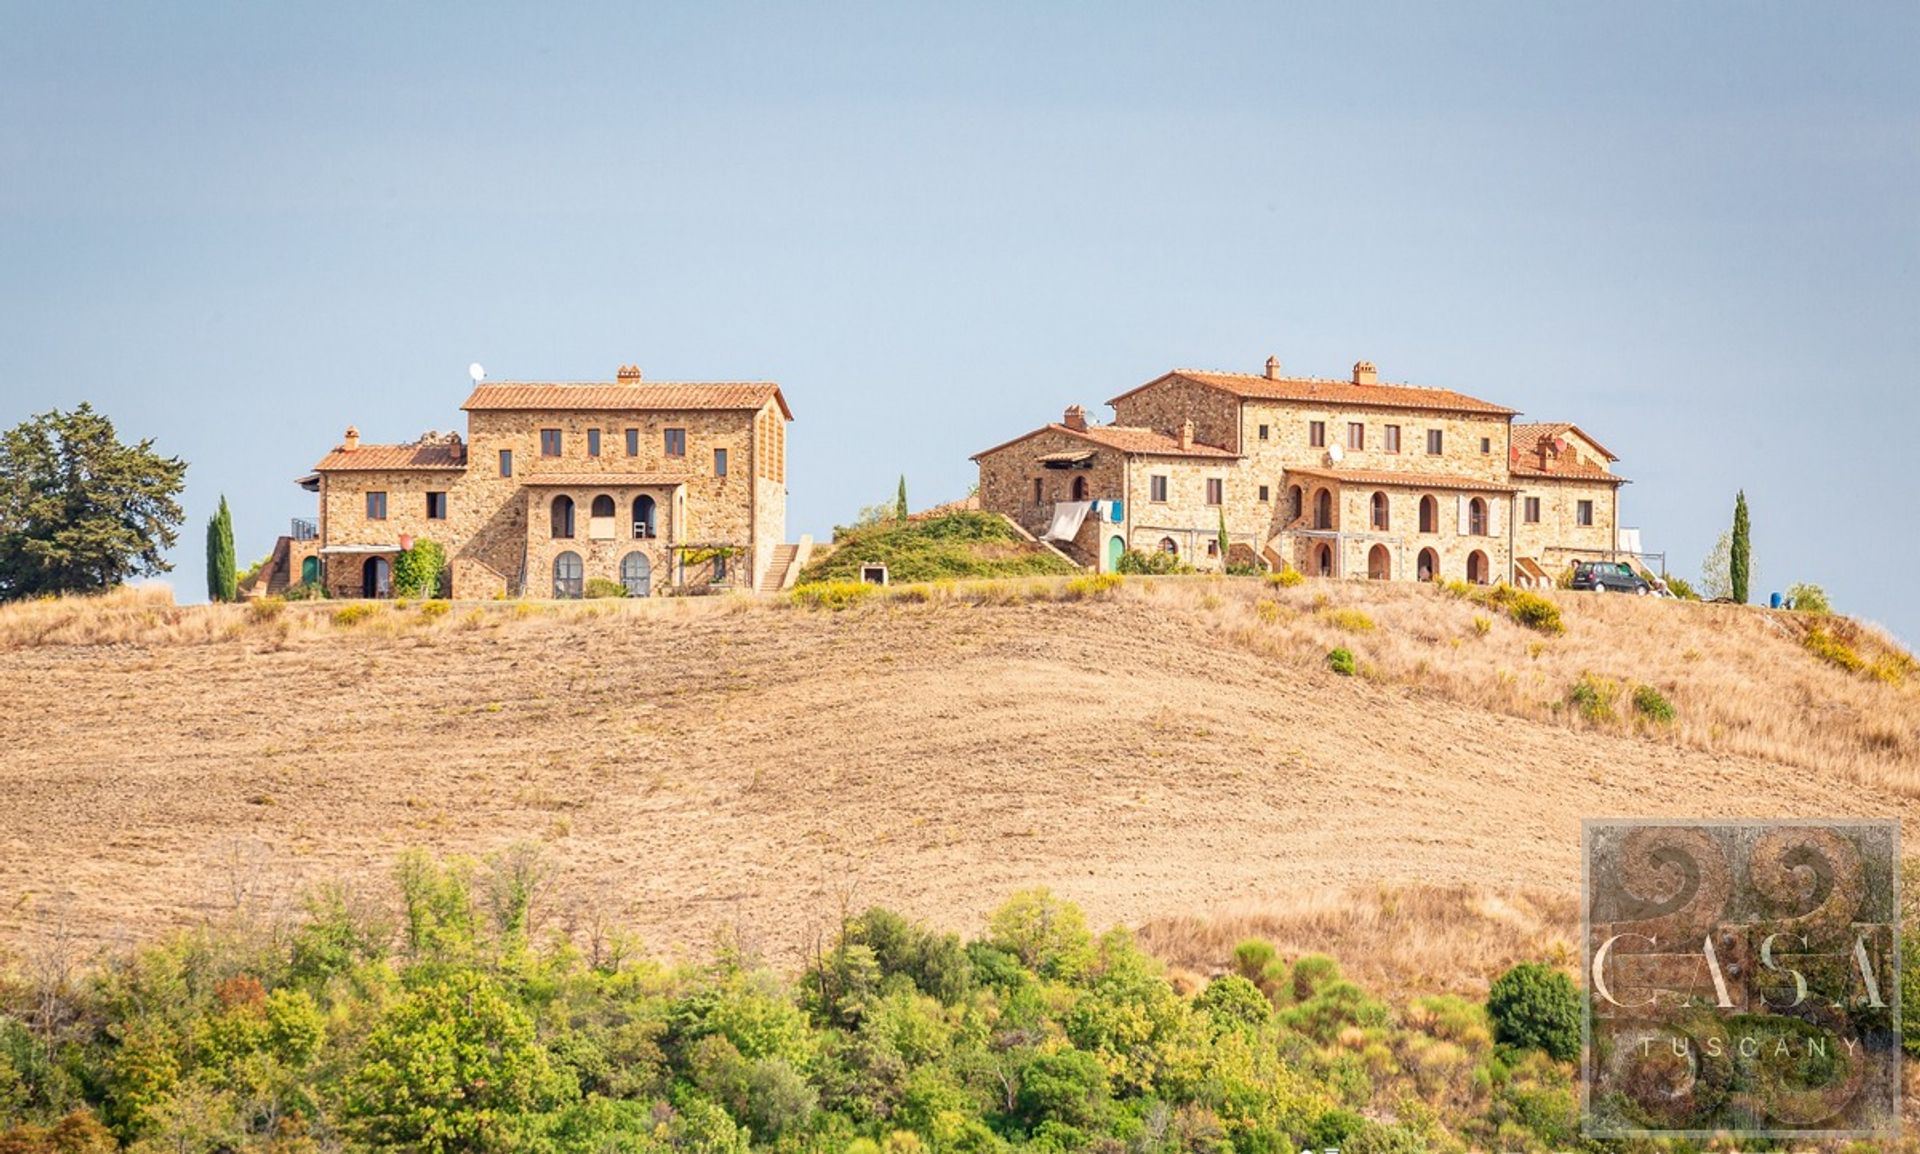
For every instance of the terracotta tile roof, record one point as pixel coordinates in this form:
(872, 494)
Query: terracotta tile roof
(1527, 435)
(1393, 480)
(1126, 439)
(1525, 455)
(602, 480)
(435, 455)
(652, 396)
(967, 504)
(1251, 386)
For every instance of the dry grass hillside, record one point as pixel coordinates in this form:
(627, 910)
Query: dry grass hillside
(1171, 753)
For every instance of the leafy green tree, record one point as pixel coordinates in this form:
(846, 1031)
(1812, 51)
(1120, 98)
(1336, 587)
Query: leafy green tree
(900, 502)
(1233, 1002)
(1809, 598)
(79, 511)
(1536, 1007)
(222, 585)
(1716, 570)
(416, 571)
(448, 1067)
(1740, 562)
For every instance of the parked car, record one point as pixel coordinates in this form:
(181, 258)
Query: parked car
(1600, 576)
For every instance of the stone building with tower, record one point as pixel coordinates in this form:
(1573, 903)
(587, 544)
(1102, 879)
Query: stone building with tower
(1342, 478)
(658, 486)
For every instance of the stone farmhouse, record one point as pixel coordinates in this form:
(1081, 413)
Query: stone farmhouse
(660, 486)
(1340, 478)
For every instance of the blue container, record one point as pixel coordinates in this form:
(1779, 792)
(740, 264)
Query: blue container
(1774, 601)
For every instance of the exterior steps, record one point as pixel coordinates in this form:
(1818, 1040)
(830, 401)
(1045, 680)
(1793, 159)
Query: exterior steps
(775, 578)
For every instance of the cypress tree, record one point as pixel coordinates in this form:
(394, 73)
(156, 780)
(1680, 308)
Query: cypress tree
(221, 583)
(1740, 564)
(900, 502)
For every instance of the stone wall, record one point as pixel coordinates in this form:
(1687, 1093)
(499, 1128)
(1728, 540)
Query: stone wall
(1289, 440)
(1007, 475)
(1167, 407)
(1558, 537)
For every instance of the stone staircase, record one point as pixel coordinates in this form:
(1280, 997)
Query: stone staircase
(776, 575)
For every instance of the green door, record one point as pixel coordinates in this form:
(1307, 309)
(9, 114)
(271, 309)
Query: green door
(1115, 547)
(310, 571)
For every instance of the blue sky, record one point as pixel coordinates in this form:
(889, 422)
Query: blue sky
(1692, 229)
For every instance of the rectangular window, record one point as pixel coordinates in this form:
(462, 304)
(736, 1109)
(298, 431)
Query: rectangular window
(1533, 510)
(436, 506)
(1317, 434)
(633, 442)
(1263, 493)
(376, 506)
(1263, 432)
(1584, 512)
(1393, 438)
(1356, 435)
(593, 442)
(1157, 489)
(719, 568)
(549, 442)
(719, 462)
(676, 442)
(1434, 443)
(1216, 490)
(1039, 493)
(506, 462)
(1486, 445)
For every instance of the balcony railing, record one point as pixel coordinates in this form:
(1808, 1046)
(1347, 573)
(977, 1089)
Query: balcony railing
(303, 530)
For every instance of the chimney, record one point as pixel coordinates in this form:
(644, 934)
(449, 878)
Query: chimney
(1076, 418)
(629, 374)
(1364, 374)
(1273, 368)
(1186, 434)
(353, 439)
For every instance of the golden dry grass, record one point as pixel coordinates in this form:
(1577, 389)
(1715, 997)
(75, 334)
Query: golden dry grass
(1170, 752)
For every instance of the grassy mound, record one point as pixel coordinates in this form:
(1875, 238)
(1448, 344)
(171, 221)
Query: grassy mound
(961, 544)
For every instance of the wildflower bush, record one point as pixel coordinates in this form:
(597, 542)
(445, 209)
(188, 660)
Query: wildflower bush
(833, 595)
(1340, 660)
(433, 1020)
(1286, 578)
(1593, 697)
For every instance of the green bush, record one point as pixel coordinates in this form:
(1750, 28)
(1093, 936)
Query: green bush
(602, 587)
(835, 595)
(1532, 610)
(1158, 563)
(1681, 587)
(1340, 660)
(1653, 705)
(962, 544)
(1233, 1002)
(1593, 697)
(1536, 1007)
(416, 571)
(1808, 598)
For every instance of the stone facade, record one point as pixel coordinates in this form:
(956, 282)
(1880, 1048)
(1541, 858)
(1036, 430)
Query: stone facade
(672, 486)
(1327, 476)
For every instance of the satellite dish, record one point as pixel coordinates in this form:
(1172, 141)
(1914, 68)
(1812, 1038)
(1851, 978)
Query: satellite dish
(476, 372)
(1334, 453)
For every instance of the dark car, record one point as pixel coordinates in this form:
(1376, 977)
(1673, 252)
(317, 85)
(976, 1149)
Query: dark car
(1600, 576)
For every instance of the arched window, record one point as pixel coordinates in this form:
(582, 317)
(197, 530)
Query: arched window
(1079, 488)
(1296, 502)
(567, 575)
(376, 578)
(1477, 567)
(563, 516)
(1380, 511)
(1379, 564)
(1476, 518)
(1169, 545)
(636, 573)
(1429, 565)
(1323, 559)
(642, 517)
(1323, 509)
(603, 506)
(1429, 514)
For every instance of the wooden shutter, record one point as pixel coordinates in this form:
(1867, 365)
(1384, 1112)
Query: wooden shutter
(1466, 524)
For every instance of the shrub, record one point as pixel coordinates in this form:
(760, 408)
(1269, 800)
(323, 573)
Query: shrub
(1092, 585)
(1536, 1007)
(1823, 644)
(1351, 620)
(434, 610)
(1457, 589)
(1047, 935)
(1593, 697)
(1653, 705)
(835, 595)
(969, 543)
(1233, 1002)
(263, 609)
(1252, 957)
(1808, 598)
(1482, 625)
(1286, 578)
(602, 587)
(416, 571)
(1155, 564)
(1341, 661)
(1681, 587)
(354, 614)
(1313, 973)
(307, 591)
(1533, 611)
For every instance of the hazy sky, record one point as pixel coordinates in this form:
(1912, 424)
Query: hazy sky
(1692, 229)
